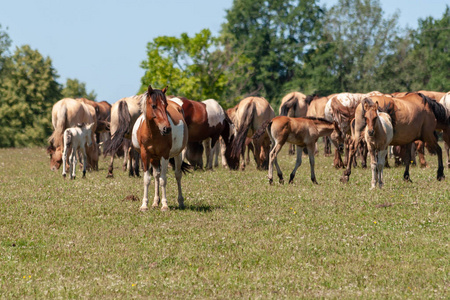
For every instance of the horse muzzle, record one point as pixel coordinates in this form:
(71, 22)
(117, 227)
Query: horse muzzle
(371, 132)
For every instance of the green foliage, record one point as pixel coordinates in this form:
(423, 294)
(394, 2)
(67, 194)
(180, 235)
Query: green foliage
(76, 89)
(274, 36)
(27, 94)
(197, 68)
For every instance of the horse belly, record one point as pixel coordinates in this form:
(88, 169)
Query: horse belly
(178, 141)
(136, 126)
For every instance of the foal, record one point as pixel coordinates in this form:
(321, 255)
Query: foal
(302, 132)
(378, 135)
(75, 138)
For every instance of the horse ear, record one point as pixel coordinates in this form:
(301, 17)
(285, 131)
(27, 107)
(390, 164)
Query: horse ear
(150, 89)
(164, 90)
(376, 103)
(366, 106)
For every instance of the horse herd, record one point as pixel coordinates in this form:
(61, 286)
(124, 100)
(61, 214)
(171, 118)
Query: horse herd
(160, 130)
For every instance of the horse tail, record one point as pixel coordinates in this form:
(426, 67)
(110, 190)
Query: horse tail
(438, 109)
(185, 167)
(56, 139)
(124, 120)
(287, 106)
(261, 129)
(238, 142)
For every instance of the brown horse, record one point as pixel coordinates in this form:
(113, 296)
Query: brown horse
(68, 113)
(316, 109)
(250, 114)
(124, 114)
(206, 121)
(302, 132)
(414, 117)
(293, 105)
(160, 133)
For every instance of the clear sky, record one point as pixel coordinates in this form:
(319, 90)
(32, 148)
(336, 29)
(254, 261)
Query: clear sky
(102, 43)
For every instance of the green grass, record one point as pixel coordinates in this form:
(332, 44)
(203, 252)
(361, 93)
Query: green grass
(238, 237)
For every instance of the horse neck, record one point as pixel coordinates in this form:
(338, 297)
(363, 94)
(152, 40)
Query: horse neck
(324, 128)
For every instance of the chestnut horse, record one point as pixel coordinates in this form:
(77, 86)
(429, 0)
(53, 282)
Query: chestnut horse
(68, 113)
(206, 121)
(250, 114)
(124, 114)
(414, 117)
(302, 132)
(378, 135)
(160, 133)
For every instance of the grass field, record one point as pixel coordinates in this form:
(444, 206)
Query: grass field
(238, 237)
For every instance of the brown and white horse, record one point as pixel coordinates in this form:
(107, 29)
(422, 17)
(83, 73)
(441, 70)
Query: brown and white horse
(124, 114)
(302, 132)
(68, 113)
(207, 122)
(249, 115)
(160, 133)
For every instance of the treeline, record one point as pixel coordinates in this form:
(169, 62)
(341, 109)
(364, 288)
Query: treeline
(28, 90)
(265, 48)
(270, 48)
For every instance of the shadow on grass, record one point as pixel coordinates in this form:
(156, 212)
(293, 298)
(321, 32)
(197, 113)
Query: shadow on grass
(198, 208)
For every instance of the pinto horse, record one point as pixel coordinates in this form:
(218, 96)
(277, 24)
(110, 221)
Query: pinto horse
(250, 114)
(160, 133)
(124, 114)
(68, 113)
(207, 122)
(378, 135)
(414, 117)
(302, 132)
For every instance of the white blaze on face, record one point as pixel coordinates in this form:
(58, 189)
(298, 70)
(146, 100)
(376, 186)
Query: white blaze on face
(177, 101)
(177, 137)
(136, 126)
(216, 115)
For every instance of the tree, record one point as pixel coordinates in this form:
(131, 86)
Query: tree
(76, 89)
(197, 68)
(274, 35)
(27, 94)
(363, 39)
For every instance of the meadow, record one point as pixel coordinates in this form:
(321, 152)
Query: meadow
(238, 237)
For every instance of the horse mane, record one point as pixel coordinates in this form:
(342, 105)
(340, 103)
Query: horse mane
(311, 98)
(440, 112)
(318, 119)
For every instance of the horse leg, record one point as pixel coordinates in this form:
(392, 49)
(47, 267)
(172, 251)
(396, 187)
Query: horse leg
(420, 149)
(156, 175)
(407, 162)
(446, 137)
(125, 157)
(163, 183)
(208, 153)
(147, 180)
(352, 151)
(64, 161)
(111, 166)
(273, 158)
(74, 163)
(178, 175)
(363, 151)
(298, 163)
(382, 154)
(373, 167)
(137, 159)
(311, 162)
(83, 151)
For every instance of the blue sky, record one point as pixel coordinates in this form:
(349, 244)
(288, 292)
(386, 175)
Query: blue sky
(102, 43)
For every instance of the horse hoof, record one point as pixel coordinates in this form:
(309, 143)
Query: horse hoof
(291, 181)
(281, 181)
(271, 181)
(344, 179)
(164, 208)
(440, 178)
(143, 208)
(315, 182)
(110, 175)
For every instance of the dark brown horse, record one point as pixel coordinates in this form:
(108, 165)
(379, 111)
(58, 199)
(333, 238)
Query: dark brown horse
(414, 117)
(302, 132)
(249, 115)
(160, 133)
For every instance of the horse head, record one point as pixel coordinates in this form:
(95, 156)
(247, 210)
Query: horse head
(154, 106)
(371, 115)
(55, 154)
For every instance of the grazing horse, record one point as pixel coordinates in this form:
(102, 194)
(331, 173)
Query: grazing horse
(378, 135)
(160, 133)
(75, 139)
(103, 114)
(414, 117)
(302, 132)
(207, 122)
(68, 113)
(124, 114)
(250, 114)
(293, 105)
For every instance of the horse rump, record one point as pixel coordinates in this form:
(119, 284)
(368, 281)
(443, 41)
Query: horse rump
(122, 129)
